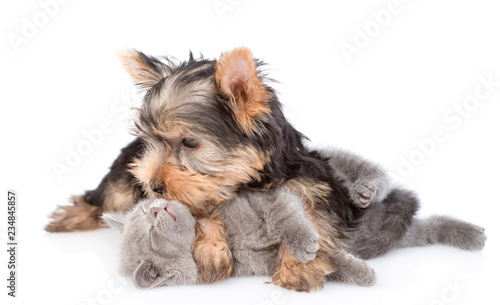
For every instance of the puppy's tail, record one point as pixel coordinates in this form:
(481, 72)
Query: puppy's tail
(117, 192)
(81, 216)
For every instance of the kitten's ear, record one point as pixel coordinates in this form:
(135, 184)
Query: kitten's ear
(237, 77)
(147, 276)
(115, 220)
(146, 71)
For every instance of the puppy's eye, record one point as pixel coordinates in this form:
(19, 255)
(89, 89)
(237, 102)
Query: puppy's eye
(190, 143)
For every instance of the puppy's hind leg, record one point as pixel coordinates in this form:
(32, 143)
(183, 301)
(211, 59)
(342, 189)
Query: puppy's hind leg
(447, 231)
(116, 192)
(81, 216)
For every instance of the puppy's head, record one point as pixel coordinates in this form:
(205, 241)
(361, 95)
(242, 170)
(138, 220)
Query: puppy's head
(210, 126)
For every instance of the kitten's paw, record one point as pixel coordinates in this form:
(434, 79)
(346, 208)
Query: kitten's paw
(352, 270)
(362, 274)
(303, 249)
(363, 193)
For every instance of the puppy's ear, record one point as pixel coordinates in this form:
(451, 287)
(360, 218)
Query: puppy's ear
(147, 275)
(237, 77)
(145, 71)
(115, 220)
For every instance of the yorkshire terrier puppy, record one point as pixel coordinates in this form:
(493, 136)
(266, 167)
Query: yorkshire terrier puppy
(209, 130)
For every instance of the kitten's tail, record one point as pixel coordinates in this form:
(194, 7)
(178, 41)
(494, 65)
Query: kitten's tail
(444, 230)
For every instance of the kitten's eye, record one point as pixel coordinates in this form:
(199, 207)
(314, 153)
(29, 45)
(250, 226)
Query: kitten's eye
(190, 143)
(144, 208)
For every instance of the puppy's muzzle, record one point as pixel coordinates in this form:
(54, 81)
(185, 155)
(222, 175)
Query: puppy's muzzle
(158, 187)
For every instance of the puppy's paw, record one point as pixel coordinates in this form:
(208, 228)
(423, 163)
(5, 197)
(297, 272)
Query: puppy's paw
(211, 252)
(214, 260)
(303, 249)
(300, 277)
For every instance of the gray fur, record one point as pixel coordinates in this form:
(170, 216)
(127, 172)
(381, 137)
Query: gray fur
(156, 251)
(352, 270)
(388, 221)
(257, 223)
(392, 224)
(384, 225)
(444, 230)
(366, 181)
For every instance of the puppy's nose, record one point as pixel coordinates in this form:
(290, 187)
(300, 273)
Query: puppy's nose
(158, 187)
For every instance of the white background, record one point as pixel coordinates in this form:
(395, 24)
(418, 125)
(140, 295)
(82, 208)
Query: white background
(64, 79)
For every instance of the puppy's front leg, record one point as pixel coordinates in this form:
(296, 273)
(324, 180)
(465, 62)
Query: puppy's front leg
(211, 251)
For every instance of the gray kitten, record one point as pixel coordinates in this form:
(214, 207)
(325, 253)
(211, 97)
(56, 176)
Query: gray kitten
(386, 218)
(158, 236)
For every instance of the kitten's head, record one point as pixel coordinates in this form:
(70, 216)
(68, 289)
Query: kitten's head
(168, 220)
(156, 233)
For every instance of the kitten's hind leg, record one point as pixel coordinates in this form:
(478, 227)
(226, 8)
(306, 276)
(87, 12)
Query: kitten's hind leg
(445, 230)
(366, 181)
(384, 225)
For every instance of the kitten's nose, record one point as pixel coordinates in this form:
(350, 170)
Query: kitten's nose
(158, 187)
